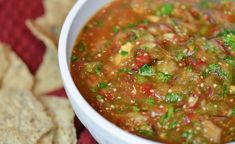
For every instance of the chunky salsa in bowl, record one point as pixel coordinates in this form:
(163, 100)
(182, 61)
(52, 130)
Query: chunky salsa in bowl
(162, 70)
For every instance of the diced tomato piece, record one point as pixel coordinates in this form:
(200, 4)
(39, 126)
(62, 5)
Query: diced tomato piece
(92, 80)
(141, 59)
(146, 89)
(142, 26)
(197, 64)
(79, 65)
(106, 94)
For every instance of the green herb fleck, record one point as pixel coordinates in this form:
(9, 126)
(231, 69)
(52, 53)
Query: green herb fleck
(208, 46)
(215, 69)
(82, 47)
(230, 60)
(226, 32)
(98, 69)
(145, 130)
(173, 124)
(165, 10)
(229, 40)
(146, 21)
(164, 77)
(102, 85)
(189, 68)
(231, 112)
(74, 58)
(167, 115)
(204, 4)
(186, 134)
(99, 98)
(225, 90)
(150, 101)
(116, 29)
(135, 109)
(146, 70)
(180, 56)
(94, 89)
(123, 53)
(173, 98)
(125, 70)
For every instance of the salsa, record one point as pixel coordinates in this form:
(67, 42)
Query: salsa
(162, 70)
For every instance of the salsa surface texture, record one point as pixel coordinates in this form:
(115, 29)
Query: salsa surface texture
(162, 70)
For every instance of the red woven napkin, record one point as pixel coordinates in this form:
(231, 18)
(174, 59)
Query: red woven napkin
(13, 31)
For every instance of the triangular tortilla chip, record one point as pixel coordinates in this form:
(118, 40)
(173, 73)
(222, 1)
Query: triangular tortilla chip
(17, 75)
(20, 111)
(12, 136)
(63, 116)
(3, 59)
(48, 26)
(48, 75)
(47, 138)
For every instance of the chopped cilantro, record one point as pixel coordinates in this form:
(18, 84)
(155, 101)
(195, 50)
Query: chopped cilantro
(173, 97)
(164, 77)
(232, 112)
(146, 21)
(167, 115)
(204, 4)
(226, 32)
(131, 25)
(116, 29)
(180, 56)
(165, 10)
(100, 98)
(209, 47)
(145, 130)
(123, 53)
(189, 68)
(98, 69)
(74, 58)
(150, 101)
(125, 70)
(82, 47)
(94, 89)
(102, 85)
(186, 134)
(225, 90)
(215, 69)
(228, 36)
(135, 109)
(229, 40)
(146, 70)
(173, 124)
(230, 60)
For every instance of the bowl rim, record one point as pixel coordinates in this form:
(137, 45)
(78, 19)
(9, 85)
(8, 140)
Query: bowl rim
(74, 93)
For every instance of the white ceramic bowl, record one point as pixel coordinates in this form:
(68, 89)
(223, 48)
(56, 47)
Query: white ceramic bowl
(103, 131)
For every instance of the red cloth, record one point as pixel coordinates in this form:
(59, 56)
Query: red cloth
(13, 31)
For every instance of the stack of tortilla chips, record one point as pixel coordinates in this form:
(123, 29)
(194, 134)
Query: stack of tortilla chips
(27, 114)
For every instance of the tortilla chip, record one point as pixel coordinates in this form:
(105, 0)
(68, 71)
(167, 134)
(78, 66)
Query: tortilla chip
(48, 75)
(3, 59)
(47, 138)
(63, 116)
(11, 136)
(20, 111)
(17, 75)
(48, 26)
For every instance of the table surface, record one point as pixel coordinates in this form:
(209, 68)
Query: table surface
(13, 31)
